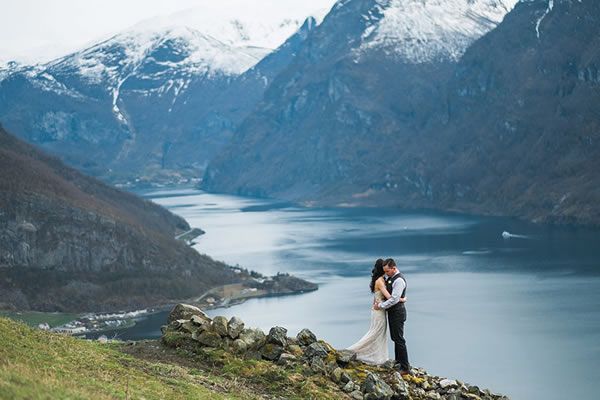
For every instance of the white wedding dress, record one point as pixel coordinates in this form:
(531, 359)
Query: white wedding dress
(372, 348)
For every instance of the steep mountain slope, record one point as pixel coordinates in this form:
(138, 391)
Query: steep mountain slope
(507, 128)
(366, 80)
(157, 100)
(523, 137)
(69, 242)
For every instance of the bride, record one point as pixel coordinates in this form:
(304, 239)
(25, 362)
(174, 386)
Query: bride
(372, 348)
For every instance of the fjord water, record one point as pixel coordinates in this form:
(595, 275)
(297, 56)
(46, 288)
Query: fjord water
(518, 315)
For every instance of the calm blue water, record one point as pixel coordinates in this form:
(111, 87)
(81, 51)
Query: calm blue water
(519, 316)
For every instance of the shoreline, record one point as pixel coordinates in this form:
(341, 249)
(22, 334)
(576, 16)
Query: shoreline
(536, 219)
(223, 296)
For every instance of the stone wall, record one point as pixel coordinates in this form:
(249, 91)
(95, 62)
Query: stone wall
(354, 379)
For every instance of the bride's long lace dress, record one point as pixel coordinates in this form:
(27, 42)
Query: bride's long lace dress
(372, 348)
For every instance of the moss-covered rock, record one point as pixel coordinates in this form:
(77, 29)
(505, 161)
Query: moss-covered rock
(375, 388)
(234, 327)
(318, 366)
(287, 359)
(305, 337)
(188, 327)
(212, 339)
(336, 375)
(255, 338)
(343, 357)
(295, 350)
(286, 364)
(277, 335)
(175, 339)
(272, 351)
(399, 386)
(220, 325)
(316, 350)
(239, 346)
(348, 387)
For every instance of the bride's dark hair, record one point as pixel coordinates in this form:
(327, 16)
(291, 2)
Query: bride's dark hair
(376, 273)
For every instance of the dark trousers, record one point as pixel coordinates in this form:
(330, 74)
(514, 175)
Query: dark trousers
(396, 320)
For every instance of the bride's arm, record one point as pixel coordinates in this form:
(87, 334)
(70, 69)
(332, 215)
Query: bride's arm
(381, 286)
(380, 283)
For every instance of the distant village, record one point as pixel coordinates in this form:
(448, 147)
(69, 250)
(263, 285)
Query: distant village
(93, 323)
(255, 285)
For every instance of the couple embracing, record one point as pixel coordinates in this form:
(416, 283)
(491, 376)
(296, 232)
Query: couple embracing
(389, 288)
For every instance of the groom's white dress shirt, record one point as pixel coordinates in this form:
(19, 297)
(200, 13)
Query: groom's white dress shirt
(397, 288)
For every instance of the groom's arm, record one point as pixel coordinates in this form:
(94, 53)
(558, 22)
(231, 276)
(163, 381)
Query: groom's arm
(397, 289)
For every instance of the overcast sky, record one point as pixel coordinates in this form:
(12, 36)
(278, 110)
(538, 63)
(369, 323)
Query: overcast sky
(38, 30)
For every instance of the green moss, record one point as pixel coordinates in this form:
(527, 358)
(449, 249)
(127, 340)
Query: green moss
(327, 344)
(330, 357)
(268, 348)
(359, 371)
(220, 356)
(413, 379)
(295, 350)
(174, 339)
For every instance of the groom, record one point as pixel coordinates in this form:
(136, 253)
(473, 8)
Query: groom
(396, 285)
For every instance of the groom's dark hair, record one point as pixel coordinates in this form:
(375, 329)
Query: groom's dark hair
(390, 263)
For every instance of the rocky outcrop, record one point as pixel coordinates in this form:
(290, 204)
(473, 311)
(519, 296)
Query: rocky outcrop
(316, 358)
(185, 312)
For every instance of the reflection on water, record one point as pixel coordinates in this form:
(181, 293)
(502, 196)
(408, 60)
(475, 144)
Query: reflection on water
(515, 314)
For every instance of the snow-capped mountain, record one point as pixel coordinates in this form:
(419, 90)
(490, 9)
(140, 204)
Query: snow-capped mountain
(162, 62)
(373, 72)
(142, 98)
(264, 23)
(503, 123)
(244, 24)
(422, 31)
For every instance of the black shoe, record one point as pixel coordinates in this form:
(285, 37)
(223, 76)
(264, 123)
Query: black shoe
(402, 371)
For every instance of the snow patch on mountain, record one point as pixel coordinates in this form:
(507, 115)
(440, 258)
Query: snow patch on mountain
(43, 80)
(539, 21)
(226, 37)
(421, 31)
(177, 51)
(242, 23)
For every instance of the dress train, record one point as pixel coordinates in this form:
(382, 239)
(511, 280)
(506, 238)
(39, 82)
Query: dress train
(372, 348)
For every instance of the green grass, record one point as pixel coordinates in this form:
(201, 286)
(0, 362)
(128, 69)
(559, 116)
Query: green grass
(41, 365)
(269, 378)
(33, 319)
(35, 364)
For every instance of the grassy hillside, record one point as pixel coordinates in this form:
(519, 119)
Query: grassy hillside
(39, 365)
(34, 318)
(36, 364)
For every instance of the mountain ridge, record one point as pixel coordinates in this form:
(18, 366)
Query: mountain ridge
(140, 100)
(334, 97)
(440, 136)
